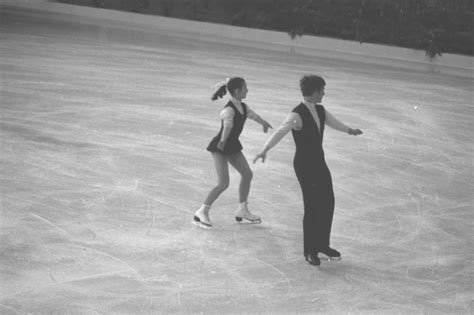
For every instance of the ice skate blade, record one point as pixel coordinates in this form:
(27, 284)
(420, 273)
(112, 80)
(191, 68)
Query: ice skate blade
(201, 225)
(239, 220)
(196, 221)
(326, 258)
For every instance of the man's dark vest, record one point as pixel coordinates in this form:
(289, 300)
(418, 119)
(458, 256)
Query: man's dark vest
(309, 140)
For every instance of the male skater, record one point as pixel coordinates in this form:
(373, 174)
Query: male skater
(307, 122)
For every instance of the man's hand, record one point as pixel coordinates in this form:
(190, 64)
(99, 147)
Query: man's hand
(262, 156)
(354, 132)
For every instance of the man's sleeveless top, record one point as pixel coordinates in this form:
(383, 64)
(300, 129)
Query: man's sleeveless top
(309, 162)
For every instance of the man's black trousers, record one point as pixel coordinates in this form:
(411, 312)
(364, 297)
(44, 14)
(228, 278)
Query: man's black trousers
(318, 198)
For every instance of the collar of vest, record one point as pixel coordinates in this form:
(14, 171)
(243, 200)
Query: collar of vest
(242, 106)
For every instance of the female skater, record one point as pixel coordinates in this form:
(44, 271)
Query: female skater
(307, 122)
(226, 148)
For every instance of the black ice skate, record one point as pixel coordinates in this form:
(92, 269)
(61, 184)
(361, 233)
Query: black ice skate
(312, 259)
(329, 254)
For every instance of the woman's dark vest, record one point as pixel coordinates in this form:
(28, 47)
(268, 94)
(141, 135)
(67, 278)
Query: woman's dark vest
(233, 144)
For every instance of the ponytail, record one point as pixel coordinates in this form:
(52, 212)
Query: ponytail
(220, 92)
(229, 85)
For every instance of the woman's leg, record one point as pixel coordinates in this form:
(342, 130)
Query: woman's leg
(222, 170)
(239, 162)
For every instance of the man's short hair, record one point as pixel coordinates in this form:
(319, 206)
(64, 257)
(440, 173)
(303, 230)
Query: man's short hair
(311, 83)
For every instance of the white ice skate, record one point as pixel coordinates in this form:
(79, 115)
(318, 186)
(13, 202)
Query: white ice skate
(244, 213)
(201, 218)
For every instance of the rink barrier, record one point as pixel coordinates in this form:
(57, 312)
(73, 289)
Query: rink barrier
(405, 58)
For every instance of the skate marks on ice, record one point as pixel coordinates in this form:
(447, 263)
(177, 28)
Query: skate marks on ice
(104, 166)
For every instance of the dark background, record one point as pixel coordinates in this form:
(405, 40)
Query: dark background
(436, 26)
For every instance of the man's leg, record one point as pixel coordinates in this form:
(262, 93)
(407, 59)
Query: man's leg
(310, 219)
(310, 226)
(326, 210)
(326, 214)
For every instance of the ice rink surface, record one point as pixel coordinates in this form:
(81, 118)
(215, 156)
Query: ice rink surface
(103, 164)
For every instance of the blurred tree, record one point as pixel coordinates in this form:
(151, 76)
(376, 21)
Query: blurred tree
(140, 5)
(99, 3)
(437, 26)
